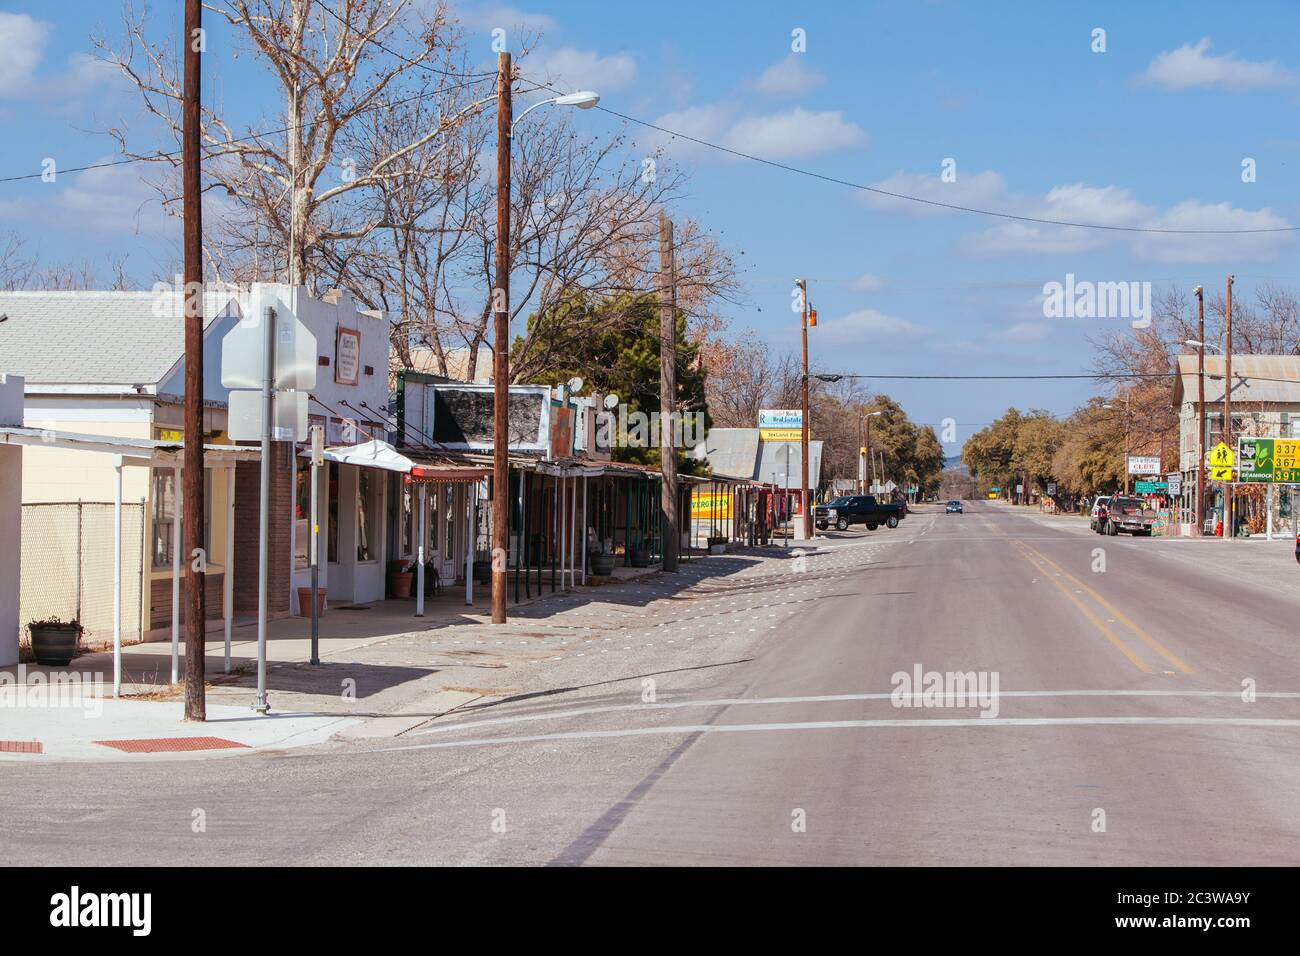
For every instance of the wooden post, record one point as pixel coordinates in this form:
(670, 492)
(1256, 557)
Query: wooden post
(192, 529)
(501, 348)
(668, 391)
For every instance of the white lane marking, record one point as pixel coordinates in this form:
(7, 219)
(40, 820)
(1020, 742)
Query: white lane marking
(823, 699)
(843, 724)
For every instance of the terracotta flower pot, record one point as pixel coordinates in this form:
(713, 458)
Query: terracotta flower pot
(304, 601)
(399, 583)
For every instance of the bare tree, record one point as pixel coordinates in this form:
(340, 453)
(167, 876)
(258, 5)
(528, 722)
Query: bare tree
(336, 62)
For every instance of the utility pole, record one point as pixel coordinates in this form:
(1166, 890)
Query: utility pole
(1199, 513)
(803, 424)
(192, 474)
(501, 346)
(668, 390)
(1227, 414)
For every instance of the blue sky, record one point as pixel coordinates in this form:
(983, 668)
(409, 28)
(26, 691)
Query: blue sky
(1152, 132)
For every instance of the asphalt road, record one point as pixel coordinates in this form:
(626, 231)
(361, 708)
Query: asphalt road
(1121, 736)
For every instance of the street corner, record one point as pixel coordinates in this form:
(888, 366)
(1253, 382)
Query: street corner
(99, 729)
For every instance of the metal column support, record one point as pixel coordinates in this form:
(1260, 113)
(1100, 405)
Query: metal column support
(228, 578)
(420, 551)
(176, 571)
(117, 576)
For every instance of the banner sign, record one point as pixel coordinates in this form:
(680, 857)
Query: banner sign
(1272, 460)
(780, 424)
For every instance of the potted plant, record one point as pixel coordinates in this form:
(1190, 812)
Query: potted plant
(639, 555)
(400, 577)
(483, 571)
(55, 641)
(602, 562)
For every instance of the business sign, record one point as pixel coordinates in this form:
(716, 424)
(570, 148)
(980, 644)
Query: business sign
(1143, 465)
(347, 356)
(1150, 487)
(1272, 460)
(780, 424)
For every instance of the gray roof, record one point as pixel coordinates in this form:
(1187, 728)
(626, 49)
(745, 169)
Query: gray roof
(771, 467)
(730, 451)
(1255, 378)
(96, 338)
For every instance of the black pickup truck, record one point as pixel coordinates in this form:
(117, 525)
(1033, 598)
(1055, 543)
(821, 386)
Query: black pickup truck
(858, 509)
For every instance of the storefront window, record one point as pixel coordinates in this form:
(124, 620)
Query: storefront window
(366, 488)
(302, 516)
(450, 521)
(408, 512)
(164, 515)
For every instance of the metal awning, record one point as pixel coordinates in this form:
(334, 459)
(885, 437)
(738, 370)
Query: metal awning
(447, 474)
(370, 454)
(134, 451)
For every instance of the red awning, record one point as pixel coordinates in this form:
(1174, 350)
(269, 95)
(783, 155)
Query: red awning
(446, 474)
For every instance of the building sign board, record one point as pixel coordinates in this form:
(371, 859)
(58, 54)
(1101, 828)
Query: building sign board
(347, 356)
(780, 424)
(1143, 465)
(1272, 460)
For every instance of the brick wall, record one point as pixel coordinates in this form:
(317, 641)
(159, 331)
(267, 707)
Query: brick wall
(247, 498)
(160, 599)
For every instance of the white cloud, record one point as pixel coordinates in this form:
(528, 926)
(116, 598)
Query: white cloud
(22, 45)
(867, 282)
(1191, 66)
(112, 200)
(864, 325)
(794, 133)
(1192, 214)
(490, 16)
(789, 77)
(703, 122)
(572, 69)
(978, 190)
(1026, 332)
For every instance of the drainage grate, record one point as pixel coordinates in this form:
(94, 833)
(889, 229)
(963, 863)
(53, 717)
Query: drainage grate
(154, 745)
(21, 747)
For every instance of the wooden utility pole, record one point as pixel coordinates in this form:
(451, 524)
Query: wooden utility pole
(803, 424)
(668, 391)
(192, 475)
(1199, 513)
(501, 350)
(1227, 413)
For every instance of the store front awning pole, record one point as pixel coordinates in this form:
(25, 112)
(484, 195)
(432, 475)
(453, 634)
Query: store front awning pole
(419, 553)
(228, 579)
(176, 571)
(117, 577)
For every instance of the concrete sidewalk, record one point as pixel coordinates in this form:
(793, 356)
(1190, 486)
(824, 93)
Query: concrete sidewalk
(383, 671)
(35, 726)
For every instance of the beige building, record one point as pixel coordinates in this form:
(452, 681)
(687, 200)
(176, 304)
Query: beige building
(1265, 399)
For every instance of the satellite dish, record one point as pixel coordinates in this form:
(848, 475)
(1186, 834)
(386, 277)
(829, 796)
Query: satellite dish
(611, 401)
(575, 385)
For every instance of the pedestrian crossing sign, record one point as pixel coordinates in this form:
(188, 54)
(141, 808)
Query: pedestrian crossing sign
(1221, 456)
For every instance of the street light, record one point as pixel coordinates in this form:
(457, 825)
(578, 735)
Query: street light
(865, 448)
(583, 99)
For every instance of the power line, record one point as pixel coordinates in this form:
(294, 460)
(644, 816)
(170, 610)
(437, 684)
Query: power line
(935, 202)
(175, 153)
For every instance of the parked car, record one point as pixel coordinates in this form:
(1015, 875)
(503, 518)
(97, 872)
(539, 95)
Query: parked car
(954, 507)
(857, 509)
(1098, 513)
(1126, 513)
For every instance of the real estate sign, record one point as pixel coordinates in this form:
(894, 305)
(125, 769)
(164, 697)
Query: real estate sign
(780, 424)
(1272, 460)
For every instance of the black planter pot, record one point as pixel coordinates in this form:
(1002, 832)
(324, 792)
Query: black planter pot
(483, 572)
(639, 557)
(603, 564)
(55, 646)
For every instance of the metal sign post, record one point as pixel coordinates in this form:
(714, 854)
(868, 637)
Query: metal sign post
(264, 509)
(317, 459)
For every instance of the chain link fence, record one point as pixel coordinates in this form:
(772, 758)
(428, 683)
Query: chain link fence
(67, 566)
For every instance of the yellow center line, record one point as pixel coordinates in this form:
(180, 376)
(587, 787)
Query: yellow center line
(1109, 634)
(1120, 616)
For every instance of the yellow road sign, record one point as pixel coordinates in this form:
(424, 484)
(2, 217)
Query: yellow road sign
(1221, 474)
(1221, 456)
